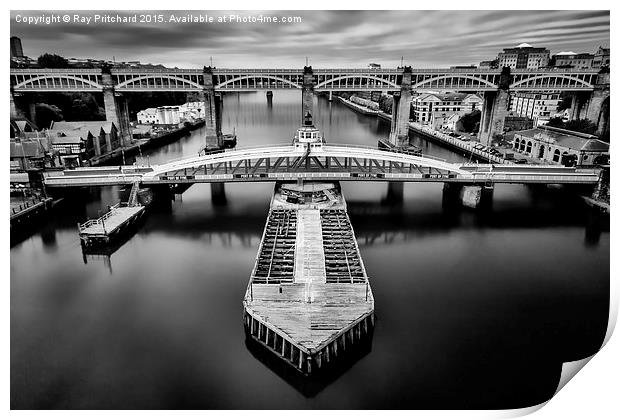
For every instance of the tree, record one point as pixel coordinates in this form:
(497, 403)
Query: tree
(46, 114)
(385, 104)
(84, 108)
(52, 61)
(566, 103)
(470, 121)
(581, 126)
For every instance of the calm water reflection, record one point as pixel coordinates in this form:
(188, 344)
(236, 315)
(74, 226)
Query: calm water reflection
(473, 310)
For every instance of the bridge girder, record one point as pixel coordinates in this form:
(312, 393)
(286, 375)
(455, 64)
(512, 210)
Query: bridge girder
(67, 80)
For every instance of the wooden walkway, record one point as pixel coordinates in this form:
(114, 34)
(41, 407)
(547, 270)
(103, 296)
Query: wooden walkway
(309, 256)
(110, 222)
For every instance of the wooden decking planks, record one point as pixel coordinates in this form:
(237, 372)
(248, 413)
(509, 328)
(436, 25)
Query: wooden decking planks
(320, 288)
(309, 256)
(116, 218)
(310, 325)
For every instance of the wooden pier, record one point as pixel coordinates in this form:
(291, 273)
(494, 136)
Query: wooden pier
(108, 226)
(309, 301)
(105, 229)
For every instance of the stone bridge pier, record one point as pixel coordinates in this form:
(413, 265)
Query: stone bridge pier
(307, 92)
(213, 110)
(495, 108)
(593, 106)
(597, 107)
(401, 106)
(115, 106)
(18, 112)
(472, 196)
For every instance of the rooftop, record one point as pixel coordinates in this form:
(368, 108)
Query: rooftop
(26, 148)
(576, 141)
(81, 128)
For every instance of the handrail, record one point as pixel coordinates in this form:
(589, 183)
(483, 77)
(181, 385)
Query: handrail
(100, 220)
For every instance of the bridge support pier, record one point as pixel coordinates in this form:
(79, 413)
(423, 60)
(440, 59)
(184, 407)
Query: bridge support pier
(471, 196)
(494, 111)
(218, 194)
(160, 196)
(395, 192)
(307, 92)
(212, 106)
(597, 107)
(115, 108)
(269, 98)
(331, 95)
(401, 106)
(577, 106)
(16, 112)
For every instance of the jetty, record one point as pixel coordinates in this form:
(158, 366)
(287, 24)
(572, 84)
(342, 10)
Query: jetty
(309, 300)
(114, 223)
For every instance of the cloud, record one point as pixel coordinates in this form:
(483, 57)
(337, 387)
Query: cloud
(329, 38)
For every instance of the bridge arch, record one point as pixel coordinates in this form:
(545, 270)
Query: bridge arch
(25, 83)
(459, 76)
(245, 158)
(582, 84)
(154, 76)
(354, 76)
(258, 76)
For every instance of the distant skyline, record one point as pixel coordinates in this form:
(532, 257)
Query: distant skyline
(327, 38)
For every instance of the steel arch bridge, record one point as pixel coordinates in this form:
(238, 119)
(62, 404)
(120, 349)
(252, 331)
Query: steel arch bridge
(333, 162)
(193, 80)
(288, 162)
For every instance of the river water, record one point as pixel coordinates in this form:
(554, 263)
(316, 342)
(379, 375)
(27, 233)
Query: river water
(473, 309)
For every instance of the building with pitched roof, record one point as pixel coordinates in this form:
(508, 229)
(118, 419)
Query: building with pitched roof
(28, 153)
(105, 133)
(562, 147)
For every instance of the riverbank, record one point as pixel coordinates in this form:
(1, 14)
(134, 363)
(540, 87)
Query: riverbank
(357, 107)
(161, 138)
(465, 148)
(26, 212)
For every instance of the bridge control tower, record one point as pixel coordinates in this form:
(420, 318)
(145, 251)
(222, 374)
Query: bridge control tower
(308, 136)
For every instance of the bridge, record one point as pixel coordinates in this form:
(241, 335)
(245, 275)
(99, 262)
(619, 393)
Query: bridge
(319, 163)
(589, 88)
(240, 80)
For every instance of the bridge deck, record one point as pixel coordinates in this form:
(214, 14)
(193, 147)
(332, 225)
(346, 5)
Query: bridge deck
(327, 163)
(321, 297)
(309, 255)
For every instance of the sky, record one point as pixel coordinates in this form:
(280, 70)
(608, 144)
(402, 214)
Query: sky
(327, 38)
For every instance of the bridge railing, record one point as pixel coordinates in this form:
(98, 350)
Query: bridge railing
(100, 220)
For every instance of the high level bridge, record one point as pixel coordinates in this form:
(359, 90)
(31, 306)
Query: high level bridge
(590, 88)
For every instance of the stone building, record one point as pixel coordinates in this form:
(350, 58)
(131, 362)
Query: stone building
(574, 60)
(602, 58)
(523, 56)
(539, 107)
(562, 147)
(436, 109)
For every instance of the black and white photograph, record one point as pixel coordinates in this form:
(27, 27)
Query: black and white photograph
(308, 209)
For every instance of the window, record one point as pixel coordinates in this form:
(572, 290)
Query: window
(556, 155)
